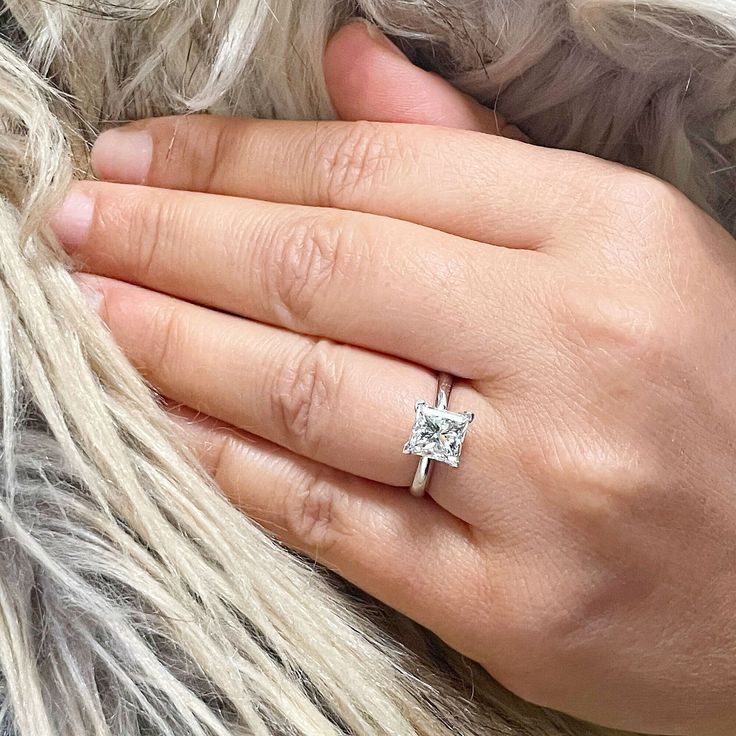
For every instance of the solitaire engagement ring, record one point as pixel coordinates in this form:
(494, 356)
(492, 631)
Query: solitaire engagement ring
(437, 434)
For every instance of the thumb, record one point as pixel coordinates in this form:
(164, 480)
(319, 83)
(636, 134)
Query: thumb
(369, 78)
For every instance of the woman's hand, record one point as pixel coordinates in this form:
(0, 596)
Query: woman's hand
(301, 283)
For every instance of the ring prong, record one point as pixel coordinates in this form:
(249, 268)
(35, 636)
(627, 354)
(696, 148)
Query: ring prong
(419, 403)
(470, 415)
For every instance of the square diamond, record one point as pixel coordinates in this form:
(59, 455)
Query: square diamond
(438, 434)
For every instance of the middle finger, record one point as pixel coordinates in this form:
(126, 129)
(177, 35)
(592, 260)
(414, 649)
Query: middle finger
(383, 284)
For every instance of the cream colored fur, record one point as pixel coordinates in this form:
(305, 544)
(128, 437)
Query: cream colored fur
(134, 601)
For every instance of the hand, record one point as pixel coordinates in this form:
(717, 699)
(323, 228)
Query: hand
(301, 283)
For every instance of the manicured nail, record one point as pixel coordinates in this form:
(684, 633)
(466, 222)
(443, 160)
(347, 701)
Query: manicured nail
(377, 35)
(89, 286)
(71, 222)
(123, 154)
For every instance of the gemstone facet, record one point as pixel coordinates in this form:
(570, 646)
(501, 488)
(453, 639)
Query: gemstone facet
(438, 434)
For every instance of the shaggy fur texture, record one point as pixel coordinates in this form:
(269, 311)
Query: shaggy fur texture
(134, 601)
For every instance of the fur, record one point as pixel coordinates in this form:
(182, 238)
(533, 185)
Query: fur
(134, 600)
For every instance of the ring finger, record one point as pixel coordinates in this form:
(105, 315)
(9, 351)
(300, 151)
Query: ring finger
(337, 404)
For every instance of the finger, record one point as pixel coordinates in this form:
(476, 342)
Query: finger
(408, 552)
(336, 404)
(383, 284)
(369, 78)
(473, 185)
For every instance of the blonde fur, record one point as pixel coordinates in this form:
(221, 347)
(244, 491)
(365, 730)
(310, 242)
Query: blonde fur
(134, 600)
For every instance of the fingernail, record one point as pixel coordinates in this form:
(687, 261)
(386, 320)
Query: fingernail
(377, 35)
(89, 286)
(72, 221)
(123, 154)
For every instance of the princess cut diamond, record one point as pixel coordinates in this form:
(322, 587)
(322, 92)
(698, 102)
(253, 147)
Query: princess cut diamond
(438, 434)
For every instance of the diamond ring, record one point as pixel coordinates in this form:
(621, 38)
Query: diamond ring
(438, 434)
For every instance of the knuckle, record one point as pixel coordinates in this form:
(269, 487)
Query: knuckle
(641, 328)
(306, 258)
(164, 341)
(222, 455)
(655, 335)
(305, 394)
(549, 631)
(194, 144)
(149, 221)
(533, 612)
(597, 480)
(312, 512)
(354, 157)
(213, 149)
(645, 198)
(550, 613)
(601, 489)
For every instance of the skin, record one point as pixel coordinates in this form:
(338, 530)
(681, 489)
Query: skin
(293, 287)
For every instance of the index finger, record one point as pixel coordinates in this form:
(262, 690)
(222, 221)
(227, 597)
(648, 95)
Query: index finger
(466, 183)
